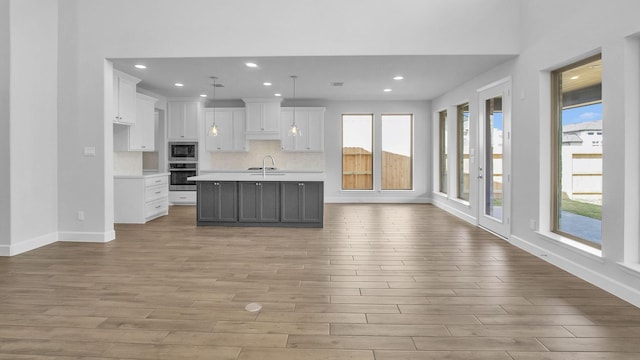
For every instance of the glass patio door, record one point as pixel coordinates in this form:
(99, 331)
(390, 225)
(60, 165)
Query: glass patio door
(494, 158)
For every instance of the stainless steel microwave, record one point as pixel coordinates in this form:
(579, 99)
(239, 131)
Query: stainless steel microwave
(183, 151)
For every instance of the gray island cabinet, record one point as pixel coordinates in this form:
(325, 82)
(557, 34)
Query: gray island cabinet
(254, 200)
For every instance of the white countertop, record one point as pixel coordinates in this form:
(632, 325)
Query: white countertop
(255, 175)
(144, 175)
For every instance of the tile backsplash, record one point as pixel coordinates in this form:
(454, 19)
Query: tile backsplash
(257, 151)
(127, 163)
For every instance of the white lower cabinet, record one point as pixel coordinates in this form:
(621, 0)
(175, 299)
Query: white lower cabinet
(138, 199)
(182, 197)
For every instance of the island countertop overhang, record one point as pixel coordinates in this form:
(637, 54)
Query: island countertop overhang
(277, 175)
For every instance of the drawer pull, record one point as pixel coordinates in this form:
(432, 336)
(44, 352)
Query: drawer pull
(158, 192)
(158, 207)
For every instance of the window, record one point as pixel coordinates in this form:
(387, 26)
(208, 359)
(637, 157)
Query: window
(397, 152)
(463, 152)
(577, 163)
(442, 122)
(357, 154)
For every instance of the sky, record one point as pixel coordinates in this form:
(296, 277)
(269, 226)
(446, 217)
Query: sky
(582, 114)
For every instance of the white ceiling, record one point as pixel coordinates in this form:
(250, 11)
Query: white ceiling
(364, 77)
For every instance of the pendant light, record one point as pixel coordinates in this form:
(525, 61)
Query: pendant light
(294, 130)
(213, 130)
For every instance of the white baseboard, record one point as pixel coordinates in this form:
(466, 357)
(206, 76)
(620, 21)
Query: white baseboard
(95, 237)
(27, 245)
(376, 199)
(592, 276)
(455, 212)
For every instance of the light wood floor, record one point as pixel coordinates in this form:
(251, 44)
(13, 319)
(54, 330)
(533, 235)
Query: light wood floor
(384, 282)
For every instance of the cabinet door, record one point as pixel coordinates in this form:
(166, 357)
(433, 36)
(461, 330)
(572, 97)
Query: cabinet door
(224, 140)
(239, 137)
(191, 121)
(248, 210)
(310, 121)
(259, 202)
(291, 200)
(315, 131)
(183, 120)
(269, 201)
(263, 120)
(312, 201)
(126, 101)
(175, 120)
(302, 201)
(142, 133)
(271, 116)
(217, 201)
(286, 142)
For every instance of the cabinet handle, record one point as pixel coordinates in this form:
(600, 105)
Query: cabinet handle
(158, 207)
(183, 197)
(143, 146)
(158, 181)
(216, 184)
(158, 192)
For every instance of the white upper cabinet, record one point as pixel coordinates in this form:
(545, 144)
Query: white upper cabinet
(124, 98)
(310, 121)
(183, 120)
(231, 130)
(141, 135)
(263, 119)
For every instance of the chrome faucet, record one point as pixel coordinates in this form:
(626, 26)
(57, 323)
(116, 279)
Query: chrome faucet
(264, 166)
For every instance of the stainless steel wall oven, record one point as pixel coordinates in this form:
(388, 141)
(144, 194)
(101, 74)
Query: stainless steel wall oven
(179, 173)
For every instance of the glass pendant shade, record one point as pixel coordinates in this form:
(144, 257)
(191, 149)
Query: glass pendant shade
(213, 130)
(294, 130)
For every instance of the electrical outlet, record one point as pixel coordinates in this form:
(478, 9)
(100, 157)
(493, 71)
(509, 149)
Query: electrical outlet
(533, 224)
(81, 215)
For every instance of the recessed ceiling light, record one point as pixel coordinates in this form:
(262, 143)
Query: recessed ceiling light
(399, 77)
(576, 77)
(179, 84)
(277, 94)
(267, 84)
(251, 65)
(387, 90)
(139, 66)
(203, 95)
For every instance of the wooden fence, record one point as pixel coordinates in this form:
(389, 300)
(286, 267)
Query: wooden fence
(357, 170)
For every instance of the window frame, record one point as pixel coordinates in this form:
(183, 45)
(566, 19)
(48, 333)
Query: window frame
(412, 151)
(443, 176)
(372, 123)
(460, 151)
(556, 150)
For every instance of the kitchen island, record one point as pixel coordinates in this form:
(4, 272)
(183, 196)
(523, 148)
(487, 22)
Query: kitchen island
(260, 198)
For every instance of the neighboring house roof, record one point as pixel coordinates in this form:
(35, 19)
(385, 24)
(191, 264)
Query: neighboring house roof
(571, 138)
(588, 125)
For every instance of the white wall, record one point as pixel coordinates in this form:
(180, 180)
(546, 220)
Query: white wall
(551, 39)
(333, 150)
(169, 28)
(32, 122)
(5, 204)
